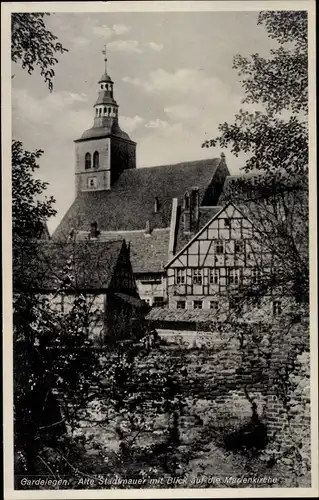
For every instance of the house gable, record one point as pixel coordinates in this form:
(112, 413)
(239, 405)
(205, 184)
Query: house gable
(228, 224)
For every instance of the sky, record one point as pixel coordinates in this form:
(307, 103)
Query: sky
(173, 81)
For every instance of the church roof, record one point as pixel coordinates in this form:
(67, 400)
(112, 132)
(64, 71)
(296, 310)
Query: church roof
(97, 132)
(129, 204)
(148, 252)
(182, 238)
(81, 265)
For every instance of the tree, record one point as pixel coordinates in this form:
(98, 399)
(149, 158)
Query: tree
(29, 213)
(274, 196)
(33, 44)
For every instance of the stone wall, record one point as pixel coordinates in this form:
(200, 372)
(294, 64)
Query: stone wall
(216, 386)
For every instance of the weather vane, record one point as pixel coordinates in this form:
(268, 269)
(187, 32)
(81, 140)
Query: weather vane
(105, 58)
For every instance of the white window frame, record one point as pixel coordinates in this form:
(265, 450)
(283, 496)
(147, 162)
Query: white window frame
(215, 307)
(180, 276)
(219, 244)
(214, 276)
(234, 275)
(255, 275)
(277, 307)
(197, 276)
(198, 302)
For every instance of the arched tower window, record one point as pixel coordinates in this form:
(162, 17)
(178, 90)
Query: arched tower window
(87, 161)
(96, 160)
(186, 201)
(104, 110)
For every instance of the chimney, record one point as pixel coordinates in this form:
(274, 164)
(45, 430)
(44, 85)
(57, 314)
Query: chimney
(222, 159)
(187, 220)
(194, 208)
(94, 233)
(147, 228)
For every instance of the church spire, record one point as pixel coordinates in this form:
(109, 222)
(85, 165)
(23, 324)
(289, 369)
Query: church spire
(105, 59)
(104, 150)
(106, 107)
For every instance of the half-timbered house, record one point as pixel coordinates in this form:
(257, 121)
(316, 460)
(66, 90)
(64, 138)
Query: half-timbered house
(206, 278)
(94, 276)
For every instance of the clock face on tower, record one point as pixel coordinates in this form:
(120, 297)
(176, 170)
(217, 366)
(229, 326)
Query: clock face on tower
(104, 150)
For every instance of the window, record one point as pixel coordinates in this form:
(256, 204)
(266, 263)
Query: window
(227, 223)
(87, 161)
(97, 111)
(181, 304)
(276, 307)
(109, 110)
(255, 275)
(239, 246)
(158, 301)
(105, 110)
(214, 276)
(92, 182)
(197, 276)
(198, 304)
(234, 276)
(96, 160)
(219, 246)
(213, 304)
(180, 276)
(100, 111)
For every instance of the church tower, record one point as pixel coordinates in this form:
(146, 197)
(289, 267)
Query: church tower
(103, 151)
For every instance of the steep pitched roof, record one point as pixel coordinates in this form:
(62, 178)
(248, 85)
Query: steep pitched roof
(129, 204)
(205, 215)
(206, 221)
(164, 314)
(148, 252)
(78, 265)
(260, 184)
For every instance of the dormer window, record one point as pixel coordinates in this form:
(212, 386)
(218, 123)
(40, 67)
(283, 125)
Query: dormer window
(96, 160)
(156, 205)
(87, 161)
